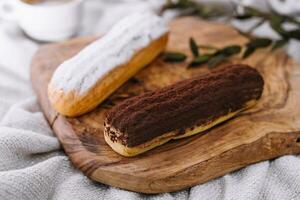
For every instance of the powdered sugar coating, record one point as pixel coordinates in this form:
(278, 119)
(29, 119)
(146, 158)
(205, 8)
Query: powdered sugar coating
(117, 47)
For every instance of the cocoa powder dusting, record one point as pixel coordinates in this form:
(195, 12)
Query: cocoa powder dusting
(185, 104)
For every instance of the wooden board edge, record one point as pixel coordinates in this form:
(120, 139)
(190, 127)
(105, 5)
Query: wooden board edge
(272, 145)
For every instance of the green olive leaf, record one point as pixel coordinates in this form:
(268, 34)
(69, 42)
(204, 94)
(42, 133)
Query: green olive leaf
(216, 60)
(259, 43)
(194, 47)
(256, 43)
(295, 34)
(243, 17)
(230, 50)
(291, 20)
(200, 60)
(174, 57)
(278, 44)
(253, 12)
(249, 51)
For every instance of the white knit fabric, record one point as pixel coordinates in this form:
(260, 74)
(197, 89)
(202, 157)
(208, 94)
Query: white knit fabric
(34, 167)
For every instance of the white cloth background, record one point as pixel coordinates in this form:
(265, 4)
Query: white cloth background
(34, 167)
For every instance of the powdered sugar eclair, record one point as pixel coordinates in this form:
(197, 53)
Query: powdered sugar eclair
(84, 81)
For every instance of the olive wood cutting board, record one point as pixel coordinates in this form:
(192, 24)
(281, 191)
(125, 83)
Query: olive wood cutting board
(268, 130)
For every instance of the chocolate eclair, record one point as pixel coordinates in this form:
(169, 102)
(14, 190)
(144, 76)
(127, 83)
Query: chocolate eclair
(183, 109)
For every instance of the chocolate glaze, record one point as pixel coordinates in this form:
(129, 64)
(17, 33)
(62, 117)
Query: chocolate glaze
(193, 102)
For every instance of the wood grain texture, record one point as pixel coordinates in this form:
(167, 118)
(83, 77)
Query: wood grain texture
(269, 130)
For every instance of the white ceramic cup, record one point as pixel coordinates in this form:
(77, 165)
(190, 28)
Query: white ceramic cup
(44, 22)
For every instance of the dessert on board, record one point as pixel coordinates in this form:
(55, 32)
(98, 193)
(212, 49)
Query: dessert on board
(87, 79)
(151, 119)
(183, 109)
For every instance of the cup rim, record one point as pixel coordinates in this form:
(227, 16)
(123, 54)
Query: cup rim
(69, 3)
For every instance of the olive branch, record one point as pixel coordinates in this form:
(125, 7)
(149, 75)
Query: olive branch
(205, 11)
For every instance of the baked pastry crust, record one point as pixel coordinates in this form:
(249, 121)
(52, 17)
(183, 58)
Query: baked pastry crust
(133, 151)
(82, 82)
(74, 104)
